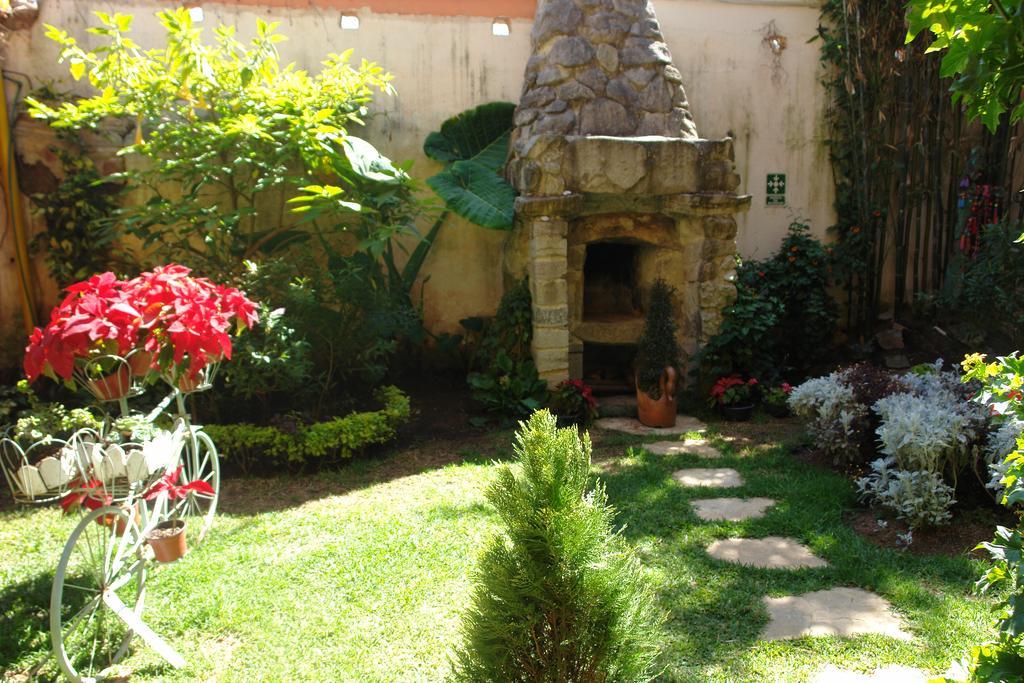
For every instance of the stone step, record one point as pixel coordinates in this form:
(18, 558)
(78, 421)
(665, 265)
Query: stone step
(731, 509)
(687, 447)
(630, 425)
(841, 612)
(722, 477)
(617, 406)
(772, 552)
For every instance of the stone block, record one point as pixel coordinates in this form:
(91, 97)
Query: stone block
(656, 97)
(606, 117)
(554, 229)
(552, 316)
(594, 78)
(720, 227)
(542, 269)
(606, 164)
(571, 51)
(555, 17)
(550, 293)
(548, 360)
(574, 90)
(608, 58)
(550, 338)
(552, 75)
(676, 167)
(640, 51)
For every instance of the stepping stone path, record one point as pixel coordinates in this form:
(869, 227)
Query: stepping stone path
(836, 612)
(689, 447)
(772, 552)
(889, 674)
(731, 509)
(843, 612)
(722, 477)
(629, 425)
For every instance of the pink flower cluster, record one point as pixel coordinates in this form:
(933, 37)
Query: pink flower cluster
(183, 321)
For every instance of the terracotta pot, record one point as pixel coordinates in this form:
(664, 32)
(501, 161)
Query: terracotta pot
(168, 547)
(139, 363)
(112, 386)
(118, 521)
(738, 413)
(660, 412)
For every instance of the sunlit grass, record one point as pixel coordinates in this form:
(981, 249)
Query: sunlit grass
(368, 584)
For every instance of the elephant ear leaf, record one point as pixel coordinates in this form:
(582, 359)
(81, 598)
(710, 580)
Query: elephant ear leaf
(464, 137)
(476, 193)
(474, 144)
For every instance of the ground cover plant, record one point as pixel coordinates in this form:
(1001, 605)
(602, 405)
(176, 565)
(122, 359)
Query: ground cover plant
(923, 427)
(369, 569)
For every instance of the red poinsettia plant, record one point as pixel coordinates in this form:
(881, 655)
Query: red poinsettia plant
(178, 324)
(573, 398)
(733, 391)
(169, 484)
(91, 495)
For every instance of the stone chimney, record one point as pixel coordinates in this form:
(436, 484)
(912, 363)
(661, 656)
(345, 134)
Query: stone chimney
(616, 189)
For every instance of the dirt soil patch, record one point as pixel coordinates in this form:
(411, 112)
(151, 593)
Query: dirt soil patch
(967, 530)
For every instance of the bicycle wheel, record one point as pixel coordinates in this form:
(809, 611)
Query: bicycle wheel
(102, 562)
(199, 463)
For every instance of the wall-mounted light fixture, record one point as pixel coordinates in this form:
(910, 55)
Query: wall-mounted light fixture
(501, 27)
(775, 41)
(196, 14)
(349, 22)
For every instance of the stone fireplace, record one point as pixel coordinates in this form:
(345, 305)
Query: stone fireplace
(616, 190)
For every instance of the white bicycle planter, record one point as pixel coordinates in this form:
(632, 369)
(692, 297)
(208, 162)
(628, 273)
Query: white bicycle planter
(99, 586)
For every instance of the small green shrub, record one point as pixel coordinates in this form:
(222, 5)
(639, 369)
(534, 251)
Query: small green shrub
(506, 381)
(658, 347)
(257, 447)
(559, 596)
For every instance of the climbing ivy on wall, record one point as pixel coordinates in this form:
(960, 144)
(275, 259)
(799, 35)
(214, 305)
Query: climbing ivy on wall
(899, 149)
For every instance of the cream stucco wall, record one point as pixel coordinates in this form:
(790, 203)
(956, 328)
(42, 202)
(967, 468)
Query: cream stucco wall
(443, 65)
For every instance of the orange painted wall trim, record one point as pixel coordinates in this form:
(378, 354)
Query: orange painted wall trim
(517, 9)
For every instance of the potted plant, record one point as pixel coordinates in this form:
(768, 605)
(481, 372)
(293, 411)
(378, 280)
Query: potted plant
(167, 539)
(186, 323)
(776, 400)
(573, 403)
(87, 337)
(657, 360)
(107, 331)
(734, 397)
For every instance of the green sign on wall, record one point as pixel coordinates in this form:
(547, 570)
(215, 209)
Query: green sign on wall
(775, 193)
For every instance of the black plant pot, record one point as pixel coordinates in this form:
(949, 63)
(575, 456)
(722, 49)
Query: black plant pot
(738, 413)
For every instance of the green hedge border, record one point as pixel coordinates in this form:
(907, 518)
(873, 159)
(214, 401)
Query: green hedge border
(249, 445)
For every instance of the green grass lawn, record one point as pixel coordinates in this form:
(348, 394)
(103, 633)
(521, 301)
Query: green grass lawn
(361, 574)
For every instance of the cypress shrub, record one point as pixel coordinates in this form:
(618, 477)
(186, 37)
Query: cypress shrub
(658, 347)
(559, 597)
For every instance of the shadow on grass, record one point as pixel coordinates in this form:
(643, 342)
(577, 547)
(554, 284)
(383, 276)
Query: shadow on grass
(255, 495)
(24, 608)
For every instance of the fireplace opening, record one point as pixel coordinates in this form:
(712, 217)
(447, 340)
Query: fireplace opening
(610, 290)
(608, 368)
